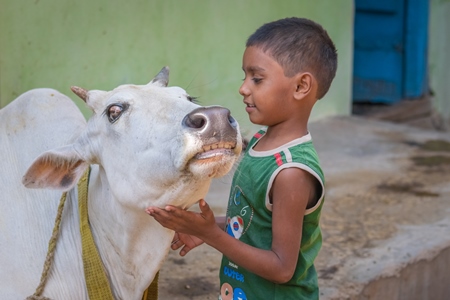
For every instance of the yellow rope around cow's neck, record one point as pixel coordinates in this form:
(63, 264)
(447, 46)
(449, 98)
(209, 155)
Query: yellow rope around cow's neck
(96, 280)
(95, 275)
(151, 293)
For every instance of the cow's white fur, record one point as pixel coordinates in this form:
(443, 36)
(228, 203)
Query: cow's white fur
(140, 160)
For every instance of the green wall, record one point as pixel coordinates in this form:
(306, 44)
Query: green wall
(100, 44)
(439, 57)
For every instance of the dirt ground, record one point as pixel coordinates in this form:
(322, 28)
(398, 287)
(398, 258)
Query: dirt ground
(380, 177)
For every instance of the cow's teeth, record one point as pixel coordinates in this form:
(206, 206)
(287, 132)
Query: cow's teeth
(221, 145)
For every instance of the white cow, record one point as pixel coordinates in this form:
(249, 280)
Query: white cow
(146, 144)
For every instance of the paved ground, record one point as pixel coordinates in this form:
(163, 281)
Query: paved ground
(387, 206)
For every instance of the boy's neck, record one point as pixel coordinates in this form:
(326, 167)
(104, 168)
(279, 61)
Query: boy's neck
(277, 136)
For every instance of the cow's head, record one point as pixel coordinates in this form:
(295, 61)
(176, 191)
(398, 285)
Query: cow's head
(144, 136)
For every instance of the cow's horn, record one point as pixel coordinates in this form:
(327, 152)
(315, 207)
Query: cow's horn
(80, 92)
(162, 78)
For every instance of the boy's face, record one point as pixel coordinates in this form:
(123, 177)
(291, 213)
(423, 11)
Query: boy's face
(267, 91)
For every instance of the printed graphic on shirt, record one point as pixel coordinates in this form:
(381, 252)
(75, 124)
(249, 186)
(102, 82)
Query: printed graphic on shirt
(235, 226)
(240, 214)
(233, 274)
(228, 293)
(237, 195)
(239, 294)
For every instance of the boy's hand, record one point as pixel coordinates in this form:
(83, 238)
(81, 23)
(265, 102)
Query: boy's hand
(188, 241)
(186, 222)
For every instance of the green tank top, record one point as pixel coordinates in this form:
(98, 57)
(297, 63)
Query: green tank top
(249, 219)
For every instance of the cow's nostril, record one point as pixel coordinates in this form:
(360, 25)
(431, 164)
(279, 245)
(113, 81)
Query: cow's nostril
(232, 121)
(195, 121)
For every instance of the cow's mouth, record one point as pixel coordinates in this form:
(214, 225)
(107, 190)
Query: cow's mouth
(216, 149)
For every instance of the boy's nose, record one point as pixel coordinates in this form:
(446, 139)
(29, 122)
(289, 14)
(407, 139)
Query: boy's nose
(243, 90)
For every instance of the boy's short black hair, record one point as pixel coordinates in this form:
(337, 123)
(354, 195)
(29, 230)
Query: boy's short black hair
(299, 45)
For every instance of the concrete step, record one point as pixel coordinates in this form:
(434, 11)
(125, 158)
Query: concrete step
(386, 224)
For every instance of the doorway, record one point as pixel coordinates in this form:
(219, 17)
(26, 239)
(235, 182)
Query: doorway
(390, 51)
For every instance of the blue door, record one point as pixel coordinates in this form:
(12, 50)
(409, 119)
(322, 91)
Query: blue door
(390, 43)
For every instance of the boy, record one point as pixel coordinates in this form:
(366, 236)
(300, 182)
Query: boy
(272, 233)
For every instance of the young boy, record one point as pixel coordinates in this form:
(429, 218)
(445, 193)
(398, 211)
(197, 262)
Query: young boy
(272, 233)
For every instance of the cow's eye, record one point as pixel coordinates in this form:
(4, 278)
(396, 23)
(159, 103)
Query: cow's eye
(114, 112)
(192, 99)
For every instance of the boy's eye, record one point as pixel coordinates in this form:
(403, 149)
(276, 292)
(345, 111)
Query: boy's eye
(256, 80)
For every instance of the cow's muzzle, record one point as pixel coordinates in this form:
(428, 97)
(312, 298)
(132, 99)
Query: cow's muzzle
(214, 125)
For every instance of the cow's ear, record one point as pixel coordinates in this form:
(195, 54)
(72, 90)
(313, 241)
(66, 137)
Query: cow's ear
(162, 78)
(59, 169)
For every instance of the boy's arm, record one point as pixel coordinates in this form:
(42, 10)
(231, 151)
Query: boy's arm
(291, 192)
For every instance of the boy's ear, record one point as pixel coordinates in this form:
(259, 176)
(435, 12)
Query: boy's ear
(305, 83)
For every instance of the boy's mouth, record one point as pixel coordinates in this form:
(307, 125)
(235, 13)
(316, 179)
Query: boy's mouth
(250, 108)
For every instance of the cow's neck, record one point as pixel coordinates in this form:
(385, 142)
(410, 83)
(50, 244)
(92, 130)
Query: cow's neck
(131, 244)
